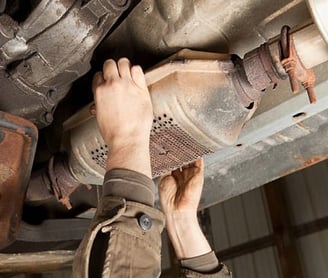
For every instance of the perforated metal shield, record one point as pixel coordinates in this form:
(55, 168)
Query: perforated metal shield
(170, 147)
(196, 111)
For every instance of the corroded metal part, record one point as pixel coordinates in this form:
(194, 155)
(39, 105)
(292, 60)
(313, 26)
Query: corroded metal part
(18, 138)
(56, 180)
(294, 66)
(273, 62)
(200, 101)
(62, 181)
(260, 68)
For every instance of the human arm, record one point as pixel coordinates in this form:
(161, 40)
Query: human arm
(180, 193)
(124, 237)
(124, 115)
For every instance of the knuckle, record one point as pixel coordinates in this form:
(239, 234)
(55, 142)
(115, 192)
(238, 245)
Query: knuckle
(114, 85)
(99, 90)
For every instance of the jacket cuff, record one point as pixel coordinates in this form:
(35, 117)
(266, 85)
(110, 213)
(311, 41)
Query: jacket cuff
(221, 272)
(206, 263)
(131, 185)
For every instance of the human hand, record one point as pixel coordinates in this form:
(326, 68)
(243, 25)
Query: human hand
(180, 191)
(124, 114)
(123, 105)
(179, 194)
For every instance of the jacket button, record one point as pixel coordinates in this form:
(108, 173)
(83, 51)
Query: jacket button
(145, 222)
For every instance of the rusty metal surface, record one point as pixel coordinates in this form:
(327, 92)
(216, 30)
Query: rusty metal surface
(62, 182)
(200, 102)
(53, 180)
(41, 56)
(289, 150)
(294, 66)
(18, 138)
(260, 68)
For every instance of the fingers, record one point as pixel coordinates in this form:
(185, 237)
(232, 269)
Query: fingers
(196, 165)
(110, 70)
(92, 109)
(121, 69)
(124, 68)
(165, 181)
(138, 76)
(199, 163)
(98, 79)
(162, 178)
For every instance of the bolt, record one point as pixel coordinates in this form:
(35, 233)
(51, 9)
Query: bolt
(48, 117)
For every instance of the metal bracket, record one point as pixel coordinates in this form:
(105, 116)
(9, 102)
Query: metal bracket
(294, 66)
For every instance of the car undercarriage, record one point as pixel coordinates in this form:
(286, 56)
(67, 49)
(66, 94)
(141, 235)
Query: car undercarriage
(223, 77)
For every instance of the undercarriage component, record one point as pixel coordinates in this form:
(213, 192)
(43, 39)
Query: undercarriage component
(294, 66)
(2, 5)
(291, 56)
(42, 56)
(260, 69)
(200, 100)
(318, 9)
(18, 138)
(26, 262)
(54, 180)
(54, 230)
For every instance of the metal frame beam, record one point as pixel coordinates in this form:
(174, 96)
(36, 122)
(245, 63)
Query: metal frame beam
(276, 142)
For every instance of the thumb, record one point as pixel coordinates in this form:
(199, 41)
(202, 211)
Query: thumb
(164, 181)
(138, 77)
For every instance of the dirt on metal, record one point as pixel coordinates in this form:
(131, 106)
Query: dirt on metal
(294, 66)
(17, 147)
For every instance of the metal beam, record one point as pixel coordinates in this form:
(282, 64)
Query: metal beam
(269, 241)
(283, 235)
(288, 150)
(35, 262)
(285, 135)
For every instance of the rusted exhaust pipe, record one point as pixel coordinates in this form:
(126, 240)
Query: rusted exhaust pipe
(291, 55)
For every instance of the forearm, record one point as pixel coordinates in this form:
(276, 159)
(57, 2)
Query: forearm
(186, 235)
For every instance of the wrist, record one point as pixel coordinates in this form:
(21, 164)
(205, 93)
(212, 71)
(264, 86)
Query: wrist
(182, 217)
(130, 155)
(186, 236)
(128, 144)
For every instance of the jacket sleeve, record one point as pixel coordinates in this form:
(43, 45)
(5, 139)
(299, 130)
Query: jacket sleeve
(124, 239)
(203, 266)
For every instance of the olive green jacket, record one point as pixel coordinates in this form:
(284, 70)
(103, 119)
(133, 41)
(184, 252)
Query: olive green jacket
(124, 239)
